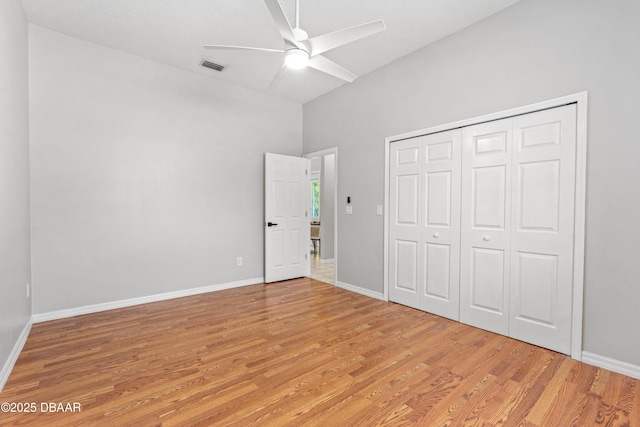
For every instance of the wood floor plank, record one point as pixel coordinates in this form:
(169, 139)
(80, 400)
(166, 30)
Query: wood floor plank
(302, 352)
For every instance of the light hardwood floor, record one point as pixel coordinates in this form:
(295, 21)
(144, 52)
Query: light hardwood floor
(298, 353)
(321, 271)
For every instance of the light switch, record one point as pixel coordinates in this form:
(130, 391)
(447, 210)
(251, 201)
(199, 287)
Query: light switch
(379, 210)
(349, 210)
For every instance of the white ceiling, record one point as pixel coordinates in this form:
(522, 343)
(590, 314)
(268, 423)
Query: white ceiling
(172, 32)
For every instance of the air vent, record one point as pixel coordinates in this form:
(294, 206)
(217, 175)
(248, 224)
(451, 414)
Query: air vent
(212, 65)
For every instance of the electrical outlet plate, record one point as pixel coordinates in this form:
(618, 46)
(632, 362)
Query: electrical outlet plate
(239, 260)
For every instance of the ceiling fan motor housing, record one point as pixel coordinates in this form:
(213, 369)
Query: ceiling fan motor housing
(296, 58)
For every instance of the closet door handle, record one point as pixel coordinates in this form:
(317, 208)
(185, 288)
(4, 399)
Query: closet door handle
(436, 235)
(486, 238)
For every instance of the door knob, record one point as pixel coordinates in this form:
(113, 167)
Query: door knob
(271, 224)
(486, 238)
(436, 235)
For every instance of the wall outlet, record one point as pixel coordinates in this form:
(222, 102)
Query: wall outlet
(28, 286)
(379, 210)
(239, 260)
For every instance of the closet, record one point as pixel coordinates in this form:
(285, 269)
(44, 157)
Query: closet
(481, 225)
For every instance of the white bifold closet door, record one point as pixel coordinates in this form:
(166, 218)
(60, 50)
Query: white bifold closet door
(542, 228)
(485, 229)
(424, 223)
(518, 192)
(481, 225)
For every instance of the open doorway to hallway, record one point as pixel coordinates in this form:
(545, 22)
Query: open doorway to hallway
(323, 215)
(322, 271)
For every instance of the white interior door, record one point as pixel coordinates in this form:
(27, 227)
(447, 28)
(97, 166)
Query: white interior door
(485, 225)
(425, 223)
(542, 227)
(286, 228)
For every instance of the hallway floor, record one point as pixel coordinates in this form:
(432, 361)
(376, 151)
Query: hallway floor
(319, 270)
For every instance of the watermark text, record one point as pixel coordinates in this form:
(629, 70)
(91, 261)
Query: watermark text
(35, 407)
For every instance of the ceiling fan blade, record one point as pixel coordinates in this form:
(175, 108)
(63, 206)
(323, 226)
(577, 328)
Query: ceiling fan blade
(327, 66)
(325, 42)
(281, 20)
(224, 47)
(279, 75)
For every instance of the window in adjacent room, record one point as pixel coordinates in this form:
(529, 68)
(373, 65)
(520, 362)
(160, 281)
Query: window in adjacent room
(315, 200)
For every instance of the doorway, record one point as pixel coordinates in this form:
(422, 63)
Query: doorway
(323, 177)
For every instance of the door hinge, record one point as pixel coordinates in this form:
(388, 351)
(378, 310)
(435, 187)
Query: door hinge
(305, 172)
(305, 256)
(305, 214)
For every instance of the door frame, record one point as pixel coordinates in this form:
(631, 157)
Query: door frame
(580, 99)
(322, 153)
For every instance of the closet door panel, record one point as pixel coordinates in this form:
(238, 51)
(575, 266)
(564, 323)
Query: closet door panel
(440, 234)
(406, 206)
(487, 281)
(405, 215)
(437, 271)
(438, 192)
(406, 260)
(536, 288)
(488, 188)
(543, 227)
(485, 225)
(538, 196)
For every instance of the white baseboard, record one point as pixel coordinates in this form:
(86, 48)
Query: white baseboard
(362, 291)
(611, 364)
(94, 308)
(13, 356)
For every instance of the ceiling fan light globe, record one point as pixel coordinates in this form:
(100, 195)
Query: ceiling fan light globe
(296, 59)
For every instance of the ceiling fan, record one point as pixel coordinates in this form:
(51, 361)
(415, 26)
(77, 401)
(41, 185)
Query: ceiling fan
(301, 51)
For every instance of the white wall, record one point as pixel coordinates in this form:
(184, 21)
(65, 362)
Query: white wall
(145, 179)
(532, 51)
(15, 308)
